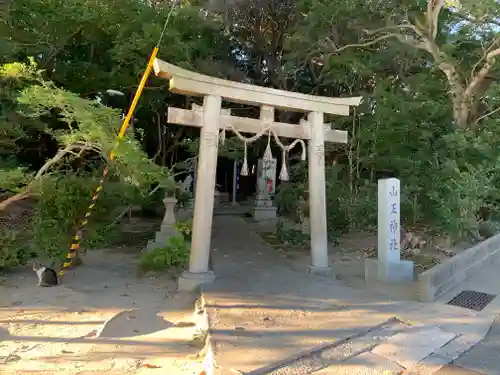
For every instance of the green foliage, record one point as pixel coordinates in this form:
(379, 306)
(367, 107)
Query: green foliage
(13, 253)
(185, 228)
(90, 46)
(174, 255)
(288, 195)
(183, 197)
(86, 131)
(405, 127)
(62, 202)
(232, 148)
(151, 201)
(13, 176)
(291, 237)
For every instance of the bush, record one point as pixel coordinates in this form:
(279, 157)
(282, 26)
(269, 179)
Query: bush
(62, 203)
(185, 228)
(83, 130)
(12, 253)
(174, 255)
(152, 201)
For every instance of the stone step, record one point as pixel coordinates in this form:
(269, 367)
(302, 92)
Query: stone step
(391, 348)
(321, 357)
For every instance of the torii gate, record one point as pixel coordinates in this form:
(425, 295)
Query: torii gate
(211, 117)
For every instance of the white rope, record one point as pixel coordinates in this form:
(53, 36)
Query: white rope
(222, 137)
(284, 153)
(268, 156)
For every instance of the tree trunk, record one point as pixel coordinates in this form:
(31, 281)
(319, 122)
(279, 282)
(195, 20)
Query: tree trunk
(15, 198)
(461, 110)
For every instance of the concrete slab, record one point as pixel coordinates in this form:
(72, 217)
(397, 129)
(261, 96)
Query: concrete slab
(484, 357)
(363, 364)
(457, 370)
(361, 344)
(487, 281)
(312, 360)
(443, 277)
(389, 272)
(428, 366)
(408, 348)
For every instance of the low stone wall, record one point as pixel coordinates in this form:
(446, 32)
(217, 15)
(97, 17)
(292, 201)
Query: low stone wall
(443, 277)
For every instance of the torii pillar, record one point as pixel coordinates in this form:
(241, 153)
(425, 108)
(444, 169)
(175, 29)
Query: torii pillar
(211, 118)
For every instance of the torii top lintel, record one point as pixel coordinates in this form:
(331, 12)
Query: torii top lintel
(185, 82)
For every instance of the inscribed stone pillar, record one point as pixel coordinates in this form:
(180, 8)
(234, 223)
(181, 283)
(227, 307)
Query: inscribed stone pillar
(266, 187)
(199, 272)
(317, 195)
(388, 266)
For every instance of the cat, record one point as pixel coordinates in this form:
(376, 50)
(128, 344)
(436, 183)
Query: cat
(46, 276)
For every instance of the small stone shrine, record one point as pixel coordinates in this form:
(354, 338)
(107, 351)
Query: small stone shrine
(266, 186)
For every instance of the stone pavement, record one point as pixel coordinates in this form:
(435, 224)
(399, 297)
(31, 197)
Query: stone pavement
(484, 358)
(267, 317)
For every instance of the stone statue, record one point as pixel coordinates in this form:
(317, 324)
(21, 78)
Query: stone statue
(186, 184)
(265, 179)
(262, 192)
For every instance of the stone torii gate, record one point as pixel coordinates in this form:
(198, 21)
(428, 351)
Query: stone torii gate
(211, 117)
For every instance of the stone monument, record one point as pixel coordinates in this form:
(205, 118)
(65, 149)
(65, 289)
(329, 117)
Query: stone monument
(266, 186)
(167, 228)
(186, 212)
(186, 184)
(217, 196)
(388, 266)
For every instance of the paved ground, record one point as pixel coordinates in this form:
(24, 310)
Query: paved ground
(264, 311)
(102, 320)
(485, 356)
(456, 370)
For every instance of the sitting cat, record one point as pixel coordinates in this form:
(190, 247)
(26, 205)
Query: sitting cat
(46, 276)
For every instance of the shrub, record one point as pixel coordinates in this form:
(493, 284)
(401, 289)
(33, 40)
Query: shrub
(62, 202)
(174, 255)
(185, 228)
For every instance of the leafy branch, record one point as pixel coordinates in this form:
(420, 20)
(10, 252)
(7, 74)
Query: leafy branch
(422, 34)
(88, 127)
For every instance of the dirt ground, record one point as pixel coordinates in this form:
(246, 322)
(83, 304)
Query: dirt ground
(348, 256)
(360, 245)
(101, 320)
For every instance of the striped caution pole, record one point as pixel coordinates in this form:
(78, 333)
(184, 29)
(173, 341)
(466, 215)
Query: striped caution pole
(76, 240)
(75, 245)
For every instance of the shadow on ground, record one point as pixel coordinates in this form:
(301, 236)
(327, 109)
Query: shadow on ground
(101, 320)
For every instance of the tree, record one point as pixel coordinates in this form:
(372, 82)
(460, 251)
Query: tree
(427, 72)
(446, 33)
(88, 129)
(85, 46)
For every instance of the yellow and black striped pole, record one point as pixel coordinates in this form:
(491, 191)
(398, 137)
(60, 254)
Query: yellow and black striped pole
(76, 240)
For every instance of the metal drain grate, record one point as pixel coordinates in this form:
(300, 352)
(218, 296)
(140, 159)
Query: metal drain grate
(472, 300)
